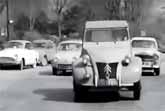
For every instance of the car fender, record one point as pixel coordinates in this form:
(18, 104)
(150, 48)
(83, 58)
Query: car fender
(132, 73)
(79, 71)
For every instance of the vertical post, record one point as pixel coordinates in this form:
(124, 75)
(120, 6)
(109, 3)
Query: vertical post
(7, 19)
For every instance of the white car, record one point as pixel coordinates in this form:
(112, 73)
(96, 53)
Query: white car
(106, 60)
(67, 52)
(46, 49)
(20, 53)
(147, 49)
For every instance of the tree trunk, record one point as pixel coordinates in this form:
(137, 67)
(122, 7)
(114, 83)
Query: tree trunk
(32, 21)
(59, 30)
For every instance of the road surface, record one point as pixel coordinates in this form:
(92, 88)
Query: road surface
(37, 90)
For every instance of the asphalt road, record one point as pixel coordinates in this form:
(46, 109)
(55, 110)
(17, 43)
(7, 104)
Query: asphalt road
(37, 90)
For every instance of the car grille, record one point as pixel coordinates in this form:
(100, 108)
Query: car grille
(64, 66)
(145, 57)
(102, 70)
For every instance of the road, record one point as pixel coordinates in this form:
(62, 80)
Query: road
(37, 90)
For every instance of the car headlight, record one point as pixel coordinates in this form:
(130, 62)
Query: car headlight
(156, 57)
(86, 59)
(126, 61)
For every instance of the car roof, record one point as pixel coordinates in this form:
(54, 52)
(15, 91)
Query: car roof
(144, 38)
(22, 41)
(106, 24)
(71, 41)
(42, 40)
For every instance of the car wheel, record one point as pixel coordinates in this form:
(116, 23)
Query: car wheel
(157, 71)
(55, 71)
(35, 64)
(44, 61)
(79, 92)
(64, 72)
(137, 90)
(21, 65)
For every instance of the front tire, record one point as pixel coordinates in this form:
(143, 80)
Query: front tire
(35, 64)
(21, 65)
(137, 90)
(79, 92)
(54, 71)
(157, 71)
(44, 61)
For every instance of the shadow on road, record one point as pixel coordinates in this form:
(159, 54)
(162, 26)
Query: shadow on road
(61, 95)
(67, 95)
(50, 73)
(147, 74)
(11, 68)
(46, 73)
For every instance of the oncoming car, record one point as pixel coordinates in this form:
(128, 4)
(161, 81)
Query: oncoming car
(67, 52)
(147, 49)
(106, 61)
(20, 53)
(46, 49)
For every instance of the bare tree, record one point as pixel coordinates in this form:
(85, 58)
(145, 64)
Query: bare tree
(58, 7)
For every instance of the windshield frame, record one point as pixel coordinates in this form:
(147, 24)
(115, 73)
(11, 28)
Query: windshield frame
(88, 29)
(155, 44)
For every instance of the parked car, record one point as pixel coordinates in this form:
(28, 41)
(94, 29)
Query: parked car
(46, 49)
(106, 61)
(20, 53)
(147, 49)
(67, 52)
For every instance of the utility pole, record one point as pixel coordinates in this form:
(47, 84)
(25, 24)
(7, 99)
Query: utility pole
(7, 19)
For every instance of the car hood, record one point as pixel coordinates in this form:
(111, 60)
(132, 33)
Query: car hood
(10, 52)
(144, 51)
(108, 52)
(66, 57)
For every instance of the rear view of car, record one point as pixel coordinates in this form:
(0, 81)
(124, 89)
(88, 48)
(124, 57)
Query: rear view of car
(147, 49)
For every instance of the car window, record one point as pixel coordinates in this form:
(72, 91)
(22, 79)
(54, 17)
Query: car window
(40, 45)
(28, 46)
(106, 35)
(69, 46)
(14, 45)
(50, 45)
(143, 44)
(43, 45)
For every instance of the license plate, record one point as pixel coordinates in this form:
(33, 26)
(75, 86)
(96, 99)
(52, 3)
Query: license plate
(112, 82)
(108, 82)
(147, 63)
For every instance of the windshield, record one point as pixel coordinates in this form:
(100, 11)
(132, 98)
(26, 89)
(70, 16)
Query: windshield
(39, 45)
(14, 44)
(143, 44)
(69, 46)
(106, 35)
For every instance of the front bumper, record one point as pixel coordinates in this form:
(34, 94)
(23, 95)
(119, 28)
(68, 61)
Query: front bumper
(149, 66)
(67, 67)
